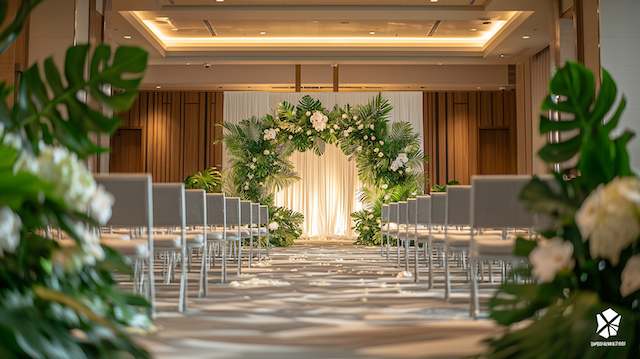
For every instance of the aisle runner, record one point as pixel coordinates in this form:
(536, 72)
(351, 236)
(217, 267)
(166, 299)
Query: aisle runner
(321, 301)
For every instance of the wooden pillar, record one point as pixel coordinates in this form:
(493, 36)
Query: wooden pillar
(298, 78)
(587, 22)
(336, 78)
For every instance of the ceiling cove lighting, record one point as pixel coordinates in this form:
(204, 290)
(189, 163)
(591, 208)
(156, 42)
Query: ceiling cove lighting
(169, 41)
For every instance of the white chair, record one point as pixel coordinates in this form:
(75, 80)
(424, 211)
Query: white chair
(402, 225)
(196, 212)
(246, 221)
(217, 220)
(384, 227)
(456, 238)
(169, 211)
(423, 234)
(264, 222)
(133, 208)
(233, 228)
(392, 225)
(495, 204)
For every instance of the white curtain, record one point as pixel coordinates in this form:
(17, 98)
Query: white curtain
(328, 190)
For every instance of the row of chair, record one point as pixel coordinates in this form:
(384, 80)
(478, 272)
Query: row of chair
(476, 224)
(164, 221)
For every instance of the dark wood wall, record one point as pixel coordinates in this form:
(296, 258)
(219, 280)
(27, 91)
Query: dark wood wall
(174, 131)
(469, 132)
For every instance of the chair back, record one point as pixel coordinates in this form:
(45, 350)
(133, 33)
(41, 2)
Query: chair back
(133, 205)
(402, 212)
(423, 210)
(439, 208)
(393, 212)
(255, 213)
(232, 206)
(169, 205)
(412, 209)
(384, 213)
(216, 209)
(245, 213)
(458, 211)
(496, 202)
(264, 215)
(196, 207)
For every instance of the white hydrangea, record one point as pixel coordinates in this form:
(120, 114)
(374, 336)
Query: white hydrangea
(610, 218)
(270, 134)
(630, 276)
(10, 225)
(549, 257)
(100, 205)
(273, 226)
(90, 242)
(319, 121)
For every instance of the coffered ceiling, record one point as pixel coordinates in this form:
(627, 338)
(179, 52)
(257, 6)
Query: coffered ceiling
(330, 31)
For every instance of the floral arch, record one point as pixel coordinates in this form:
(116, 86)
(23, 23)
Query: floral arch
(388, 158)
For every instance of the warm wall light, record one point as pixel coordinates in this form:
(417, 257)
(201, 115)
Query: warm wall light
(372, 32)
(128, 37)
(158, 87)
(525, 37)
(263, 32)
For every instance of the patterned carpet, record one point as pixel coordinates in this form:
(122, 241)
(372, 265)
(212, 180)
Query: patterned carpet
(320, 300)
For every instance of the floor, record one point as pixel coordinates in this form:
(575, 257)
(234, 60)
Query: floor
(321, 300)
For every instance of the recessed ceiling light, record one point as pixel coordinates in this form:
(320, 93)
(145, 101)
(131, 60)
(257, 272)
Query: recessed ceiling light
(188, 64)
(263, 32)
(525, 37)
(158, 87)
(219, 0)
(473, 29)
(501, 55)
(433, 0)
(128, 37)
(372, 32)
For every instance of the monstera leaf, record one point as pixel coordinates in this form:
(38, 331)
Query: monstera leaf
(67, 110)
(9, 34)
(602, 156)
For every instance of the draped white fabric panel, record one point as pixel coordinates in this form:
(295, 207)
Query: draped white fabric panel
(327, 191)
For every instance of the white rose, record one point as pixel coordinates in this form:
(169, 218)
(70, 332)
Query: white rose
(403, 157)
(372, 127)
(290, 137)
(630, 276)
(308, 113)
(376, 150)
(360, 127)
(100, 205)
(549, 257)
(319, 121)
(385, 186)
(610, 218)
(308, 132)
(345, 133)
(380, 154)
(365, 137)
(90, 242)
(266, 152)
(254, 160)
(373, 138)
(344, 116)
(10, 225)
(270, 134)
(246, 187)
(273, 226)
(381, 143)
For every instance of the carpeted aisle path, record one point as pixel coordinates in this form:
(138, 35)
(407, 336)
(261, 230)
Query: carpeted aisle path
(320, 300)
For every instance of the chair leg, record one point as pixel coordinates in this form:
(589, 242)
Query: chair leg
(388, 245)
(250, 251)
(223, 271)
(398, 253)
(406, 255)
(416, 249)
(474, 303)
(428, 255)
(447, 275)
(239, 256)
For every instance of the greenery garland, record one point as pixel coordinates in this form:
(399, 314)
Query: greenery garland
(388, 158)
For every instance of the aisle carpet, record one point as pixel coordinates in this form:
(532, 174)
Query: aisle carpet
(320, 300)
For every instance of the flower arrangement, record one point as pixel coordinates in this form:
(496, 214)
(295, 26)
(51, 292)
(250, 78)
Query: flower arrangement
(585, 271)
(388, 158)
(210, 180)
(61, 300)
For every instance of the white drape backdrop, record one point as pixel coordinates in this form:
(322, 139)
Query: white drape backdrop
(327, 191)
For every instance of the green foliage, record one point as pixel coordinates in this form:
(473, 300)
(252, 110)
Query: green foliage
(55, 302)
(443, 187)
(260, 148)
(209, 180)
(289, 226)
(562, 312)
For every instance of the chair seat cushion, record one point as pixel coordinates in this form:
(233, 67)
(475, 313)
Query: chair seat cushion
(138, 248)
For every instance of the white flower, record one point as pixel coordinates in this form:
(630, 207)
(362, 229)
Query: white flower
(385, 186)
(366, 228)
(273, 226)
(319, 121)
(365, 137)
(308, 113)
(381, 143)
(331, 130)
(250, 175)
(386, 197)
(610, 218)
(373, 138)
(344, 116)
(70, 178)
(266, 152)
(308, 132)
(254, 160)
(359, 148)
(630, 276)
(252, 166)
(401, 172)
(246, 187)
(355, 117)
(270, 134)
(10, 225)
(290, 137)
(372, 126)
(399, 162)
(370, 216)
(336, 127)
(100, 205)
(549, 257)
(89, 242)
(380, 154)
(10, 139)
(360, 126)
(350, 129)
(403, 157)
(345, 133)
(376, 150)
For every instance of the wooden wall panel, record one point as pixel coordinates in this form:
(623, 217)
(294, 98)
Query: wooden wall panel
(453, 124)
(178, 129)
